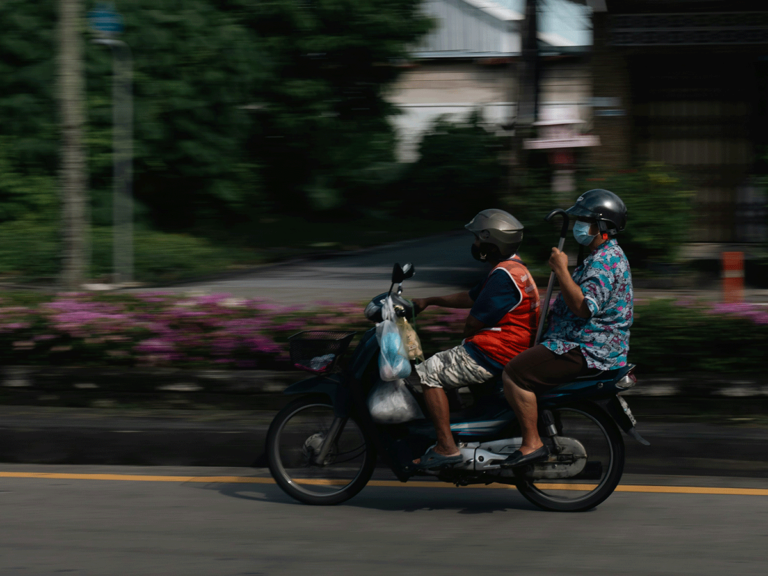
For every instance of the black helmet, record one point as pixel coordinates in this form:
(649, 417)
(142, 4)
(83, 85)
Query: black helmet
(603, 206)
(498, 228)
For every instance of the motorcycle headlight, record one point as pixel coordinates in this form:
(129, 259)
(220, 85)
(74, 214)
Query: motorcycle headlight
(373, 311)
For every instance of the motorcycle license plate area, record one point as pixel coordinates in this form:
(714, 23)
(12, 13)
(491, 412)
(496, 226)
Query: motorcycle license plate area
(627, 411)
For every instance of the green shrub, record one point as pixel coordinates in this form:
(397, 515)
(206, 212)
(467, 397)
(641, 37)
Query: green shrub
(163, 257)
(30, 250)
(459, 171)
(658, 212)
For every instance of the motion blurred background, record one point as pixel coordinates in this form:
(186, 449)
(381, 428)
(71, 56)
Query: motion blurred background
(265, 130)
(187, 144)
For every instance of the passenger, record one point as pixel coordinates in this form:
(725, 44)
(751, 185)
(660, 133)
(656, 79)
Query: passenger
(502, 322)
(589, 324)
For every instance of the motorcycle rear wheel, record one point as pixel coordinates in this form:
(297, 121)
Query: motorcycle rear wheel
(597, 431)
(295, 436)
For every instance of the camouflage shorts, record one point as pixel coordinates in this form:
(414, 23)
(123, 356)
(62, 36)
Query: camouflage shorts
(451, 368)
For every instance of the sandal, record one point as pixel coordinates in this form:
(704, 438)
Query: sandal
(432, 460)
(518, 459)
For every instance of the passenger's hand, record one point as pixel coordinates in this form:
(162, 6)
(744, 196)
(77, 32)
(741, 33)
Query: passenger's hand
(419, 304)
(558, 261)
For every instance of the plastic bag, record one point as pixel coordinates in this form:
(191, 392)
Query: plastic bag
(393, 403)
(393, 358)
(320, 363)
(410, 340)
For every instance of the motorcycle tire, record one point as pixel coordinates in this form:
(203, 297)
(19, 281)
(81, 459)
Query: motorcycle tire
(612, 434)
(295, 489)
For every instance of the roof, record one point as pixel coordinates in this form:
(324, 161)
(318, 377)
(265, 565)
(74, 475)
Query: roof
(490, 28)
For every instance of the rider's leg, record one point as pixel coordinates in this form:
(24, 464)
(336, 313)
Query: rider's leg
(452, 368)
(523, 402)
(437, 406)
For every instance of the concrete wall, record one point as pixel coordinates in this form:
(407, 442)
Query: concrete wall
(435, 88)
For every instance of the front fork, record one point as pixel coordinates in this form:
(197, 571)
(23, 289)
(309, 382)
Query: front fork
(337, 426)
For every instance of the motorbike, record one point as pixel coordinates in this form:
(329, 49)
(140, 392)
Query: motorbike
(323, 447)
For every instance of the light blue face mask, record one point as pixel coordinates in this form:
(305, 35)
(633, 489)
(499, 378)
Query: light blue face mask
(581, 233)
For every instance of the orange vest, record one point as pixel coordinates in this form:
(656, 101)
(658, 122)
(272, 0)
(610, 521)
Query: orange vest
(516, 331)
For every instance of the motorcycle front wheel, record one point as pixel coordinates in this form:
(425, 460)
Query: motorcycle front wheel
(294, 441)
(601, 438)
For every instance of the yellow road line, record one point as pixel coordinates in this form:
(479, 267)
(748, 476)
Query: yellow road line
(380, 483)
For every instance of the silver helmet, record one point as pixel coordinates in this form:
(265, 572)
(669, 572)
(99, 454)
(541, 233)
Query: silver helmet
(497, 227)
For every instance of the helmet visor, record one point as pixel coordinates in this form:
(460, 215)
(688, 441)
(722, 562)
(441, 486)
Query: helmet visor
(581, 212)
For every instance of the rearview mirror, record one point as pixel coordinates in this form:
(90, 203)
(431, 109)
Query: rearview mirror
(400, 273)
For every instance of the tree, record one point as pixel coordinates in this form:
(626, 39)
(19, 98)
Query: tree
(329, 64)
(73, 168)
(237, 103)
(459, 171)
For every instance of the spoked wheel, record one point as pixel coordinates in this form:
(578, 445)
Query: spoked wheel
(604, 446)
(294, 448)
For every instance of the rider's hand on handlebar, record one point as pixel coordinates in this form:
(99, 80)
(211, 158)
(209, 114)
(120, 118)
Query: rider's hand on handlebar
(558, 261)
(419, 304)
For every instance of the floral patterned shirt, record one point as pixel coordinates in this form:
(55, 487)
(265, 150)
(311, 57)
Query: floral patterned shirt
(606, 282)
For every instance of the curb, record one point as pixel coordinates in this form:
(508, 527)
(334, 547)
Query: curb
(143, 380)
(177, 380)
(89, 437)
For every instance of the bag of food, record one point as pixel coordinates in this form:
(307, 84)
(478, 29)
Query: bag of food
(410, 340)
(393, 403)
(393, 358)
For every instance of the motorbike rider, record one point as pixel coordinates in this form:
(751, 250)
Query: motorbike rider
(589, 324)
(502, 322)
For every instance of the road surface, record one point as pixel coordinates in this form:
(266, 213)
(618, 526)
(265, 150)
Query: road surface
(162, 521)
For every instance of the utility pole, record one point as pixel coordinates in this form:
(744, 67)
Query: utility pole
(528, 103)
(527, 108)
(107, 23)
(73, 168)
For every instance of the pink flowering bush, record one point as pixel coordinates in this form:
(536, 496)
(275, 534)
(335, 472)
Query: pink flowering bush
(219, 331)
(159, 329)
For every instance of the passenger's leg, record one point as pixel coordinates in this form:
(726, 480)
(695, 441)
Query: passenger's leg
(523, 403)
(536, 369)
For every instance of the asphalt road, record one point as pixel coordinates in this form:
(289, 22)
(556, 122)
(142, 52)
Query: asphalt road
(443, 265)
(186, 525)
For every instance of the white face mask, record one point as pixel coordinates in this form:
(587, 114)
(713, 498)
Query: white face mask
(581, 233)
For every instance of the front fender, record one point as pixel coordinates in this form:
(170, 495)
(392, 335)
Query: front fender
(334, 387)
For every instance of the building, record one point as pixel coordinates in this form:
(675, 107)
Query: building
(685, 82)
(469, 62)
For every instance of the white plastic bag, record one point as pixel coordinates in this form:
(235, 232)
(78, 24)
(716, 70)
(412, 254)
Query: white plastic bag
(393, 358)
(393, 403)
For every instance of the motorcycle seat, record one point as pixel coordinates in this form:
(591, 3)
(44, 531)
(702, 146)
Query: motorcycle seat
(600, 374)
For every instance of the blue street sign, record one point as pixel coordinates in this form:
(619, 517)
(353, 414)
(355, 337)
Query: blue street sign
(105, 19)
